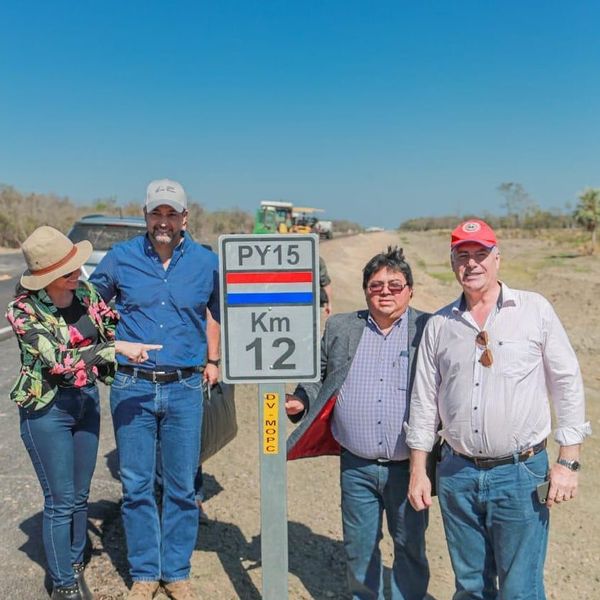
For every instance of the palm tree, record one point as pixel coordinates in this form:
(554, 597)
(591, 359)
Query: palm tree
(587, 212)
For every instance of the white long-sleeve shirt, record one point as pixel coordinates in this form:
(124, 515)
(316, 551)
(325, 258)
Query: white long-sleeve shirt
(498, 410)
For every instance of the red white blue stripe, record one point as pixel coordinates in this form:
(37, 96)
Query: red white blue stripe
(269, 287)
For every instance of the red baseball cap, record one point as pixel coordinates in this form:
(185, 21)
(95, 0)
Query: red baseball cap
(474, 230)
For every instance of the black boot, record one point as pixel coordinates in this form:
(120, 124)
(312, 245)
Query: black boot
(66, 593)
(84, 590)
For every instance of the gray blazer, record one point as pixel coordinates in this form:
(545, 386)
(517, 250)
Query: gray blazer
(338, 347)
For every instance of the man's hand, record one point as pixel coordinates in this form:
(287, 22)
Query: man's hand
(211, 374)
(563, 484)
(419, 486)
(293, 404)
(134, 351)
(563, 481)
(419, 490)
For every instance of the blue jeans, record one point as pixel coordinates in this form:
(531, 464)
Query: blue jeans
(62, 441)
(159, 546)
(496, 529)
(198, 480)
(368, 488)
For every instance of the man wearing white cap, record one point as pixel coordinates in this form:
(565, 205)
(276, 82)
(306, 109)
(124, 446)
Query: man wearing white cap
(487, 367)
(166, 289)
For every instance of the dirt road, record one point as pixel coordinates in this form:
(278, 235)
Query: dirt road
(226, 564)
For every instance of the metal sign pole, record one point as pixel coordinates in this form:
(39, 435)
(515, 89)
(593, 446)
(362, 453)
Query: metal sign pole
(273, 491)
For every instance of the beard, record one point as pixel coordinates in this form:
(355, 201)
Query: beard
(163, 236)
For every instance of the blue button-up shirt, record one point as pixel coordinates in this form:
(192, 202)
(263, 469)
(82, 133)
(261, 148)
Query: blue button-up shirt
(158, 305)
(372, 406)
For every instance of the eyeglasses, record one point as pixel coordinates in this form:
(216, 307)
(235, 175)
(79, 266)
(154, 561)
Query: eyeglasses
(463, 257)
(483, 339)
(394, 286)
(67, 275)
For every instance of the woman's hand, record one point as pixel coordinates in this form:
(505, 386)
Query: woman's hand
(134, 351)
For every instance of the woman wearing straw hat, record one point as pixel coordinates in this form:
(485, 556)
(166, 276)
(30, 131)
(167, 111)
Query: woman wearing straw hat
(65, 333)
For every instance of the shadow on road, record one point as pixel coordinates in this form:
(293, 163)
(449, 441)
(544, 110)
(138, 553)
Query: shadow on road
(113, 542)
(112, 463)
(111, 534)
(33, 547)
(316, 560)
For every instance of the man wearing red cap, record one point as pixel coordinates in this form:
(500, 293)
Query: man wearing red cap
(487, 367)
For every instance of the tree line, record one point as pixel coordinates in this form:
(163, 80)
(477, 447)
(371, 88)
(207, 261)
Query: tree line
(520, 211)
(21, 213)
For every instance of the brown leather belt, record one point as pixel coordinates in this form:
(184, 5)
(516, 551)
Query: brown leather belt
(159, 376)
(490, 463)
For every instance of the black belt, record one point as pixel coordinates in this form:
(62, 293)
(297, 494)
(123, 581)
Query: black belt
(159, 376)
(389, 461)
(489, 463)
(379, 461)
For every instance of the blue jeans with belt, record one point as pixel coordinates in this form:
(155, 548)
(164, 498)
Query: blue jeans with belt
(62, 441)
(159, 546)
(369, 488)
(496, 528)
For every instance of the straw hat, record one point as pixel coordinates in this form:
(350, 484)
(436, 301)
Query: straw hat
(49, 254)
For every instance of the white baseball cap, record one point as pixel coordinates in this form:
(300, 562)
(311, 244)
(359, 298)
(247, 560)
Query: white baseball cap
(165, 191)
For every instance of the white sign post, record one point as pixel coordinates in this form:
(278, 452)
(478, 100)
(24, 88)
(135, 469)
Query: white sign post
(270, 327)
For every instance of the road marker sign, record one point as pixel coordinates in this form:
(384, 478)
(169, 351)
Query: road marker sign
(269, 307)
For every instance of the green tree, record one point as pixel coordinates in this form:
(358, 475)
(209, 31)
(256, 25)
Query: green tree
(587, 212)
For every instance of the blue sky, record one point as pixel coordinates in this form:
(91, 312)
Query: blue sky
(376, 111)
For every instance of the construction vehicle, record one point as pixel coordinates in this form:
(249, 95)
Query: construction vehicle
(277, 216)
(305, 219)
(274, 216)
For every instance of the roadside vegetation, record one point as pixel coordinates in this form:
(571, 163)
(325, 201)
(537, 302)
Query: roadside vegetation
(21, 213)
(523, 217)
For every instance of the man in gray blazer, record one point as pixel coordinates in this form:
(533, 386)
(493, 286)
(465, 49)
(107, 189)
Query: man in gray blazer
(358, 410)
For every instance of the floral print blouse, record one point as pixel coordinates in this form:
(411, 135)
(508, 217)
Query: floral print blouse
(55, 354)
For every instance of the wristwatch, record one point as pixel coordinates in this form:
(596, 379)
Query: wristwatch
(573, 465)
(213, 361)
